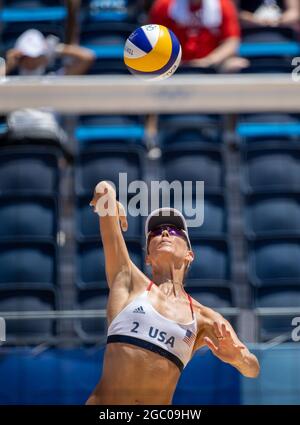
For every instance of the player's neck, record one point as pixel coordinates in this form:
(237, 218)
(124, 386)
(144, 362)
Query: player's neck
(169, 280)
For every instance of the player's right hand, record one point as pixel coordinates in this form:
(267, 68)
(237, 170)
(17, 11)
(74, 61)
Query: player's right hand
(104, 188)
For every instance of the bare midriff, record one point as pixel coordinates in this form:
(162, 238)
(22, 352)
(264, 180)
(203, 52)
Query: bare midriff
(134, 375)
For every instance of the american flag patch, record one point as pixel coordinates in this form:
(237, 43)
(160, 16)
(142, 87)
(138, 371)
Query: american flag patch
(189, 337)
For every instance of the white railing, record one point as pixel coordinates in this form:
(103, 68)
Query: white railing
(122, 94)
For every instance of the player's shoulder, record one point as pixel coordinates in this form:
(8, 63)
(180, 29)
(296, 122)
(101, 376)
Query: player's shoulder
(206, 312)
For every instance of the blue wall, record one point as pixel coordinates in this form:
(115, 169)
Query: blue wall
(68, 376)
(279, 381)
(59, 376)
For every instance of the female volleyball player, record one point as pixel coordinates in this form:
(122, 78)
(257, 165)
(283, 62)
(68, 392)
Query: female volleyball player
(154, 326)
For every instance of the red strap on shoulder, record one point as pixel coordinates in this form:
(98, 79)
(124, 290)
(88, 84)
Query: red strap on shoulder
(188, 295)
(149, 286)
(191, 304)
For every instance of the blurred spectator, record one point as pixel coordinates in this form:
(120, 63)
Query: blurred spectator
(36, 127)
(33, 54)
(208, 31)
(269, 13)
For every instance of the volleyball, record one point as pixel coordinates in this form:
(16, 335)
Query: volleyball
(152, 52)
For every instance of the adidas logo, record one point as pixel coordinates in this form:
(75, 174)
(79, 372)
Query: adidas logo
(139, 310)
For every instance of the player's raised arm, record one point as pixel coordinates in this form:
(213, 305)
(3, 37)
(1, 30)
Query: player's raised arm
(112, 218)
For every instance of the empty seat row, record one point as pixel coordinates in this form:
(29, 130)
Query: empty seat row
(269, 49)
(28, 330)
(211, 265)
(183, 165)
(272, 215)
(29, 217)
(214, 225)
(270, 180)
(29, 171)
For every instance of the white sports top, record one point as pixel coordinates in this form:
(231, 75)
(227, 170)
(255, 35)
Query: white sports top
(141, 325)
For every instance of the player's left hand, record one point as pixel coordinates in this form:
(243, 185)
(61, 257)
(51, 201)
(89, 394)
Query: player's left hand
(223, 346)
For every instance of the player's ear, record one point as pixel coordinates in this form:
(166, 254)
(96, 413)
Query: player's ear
(190, 257)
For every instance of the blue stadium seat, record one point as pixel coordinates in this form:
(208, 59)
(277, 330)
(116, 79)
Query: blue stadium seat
(188, 136)
(105, 46)
(268, 42)
(189, 164)
(279, 297)
(3, 126)
(29, 171)
(211, 265)
(105, 163)
(107, 43)
(214, 209)
(269, 34)
(103, 120)
(19, 301)
(91, 264)
(269, 65)
(268, 127)
(113, 11)
(28, 265)
(93, 130)
(108, 67)
(33, 11)
(94, 328)
(269, 49)
(212, 297)
(215, 219)
(88, 223)
(271, 171)
(266, 49)
(273, 216)
(274, 262)
(195, 120)
(33, 218)
(189, 128)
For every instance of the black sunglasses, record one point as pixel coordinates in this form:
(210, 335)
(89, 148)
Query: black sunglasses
(172, 230)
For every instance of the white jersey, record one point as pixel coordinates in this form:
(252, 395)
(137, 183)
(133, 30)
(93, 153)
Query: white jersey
(141, 325)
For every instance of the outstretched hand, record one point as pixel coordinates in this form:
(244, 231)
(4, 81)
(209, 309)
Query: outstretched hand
(225, 347)
(105, 189)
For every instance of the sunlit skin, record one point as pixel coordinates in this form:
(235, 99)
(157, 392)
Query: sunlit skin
(133, 375)
(167, 251)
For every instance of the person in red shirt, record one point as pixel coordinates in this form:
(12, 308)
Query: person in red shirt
(208, 31)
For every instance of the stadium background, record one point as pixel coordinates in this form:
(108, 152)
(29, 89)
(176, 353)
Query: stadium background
(52, 282)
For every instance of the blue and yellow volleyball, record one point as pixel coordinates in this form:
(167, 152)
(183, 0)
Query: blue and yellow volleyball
(152, 52)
